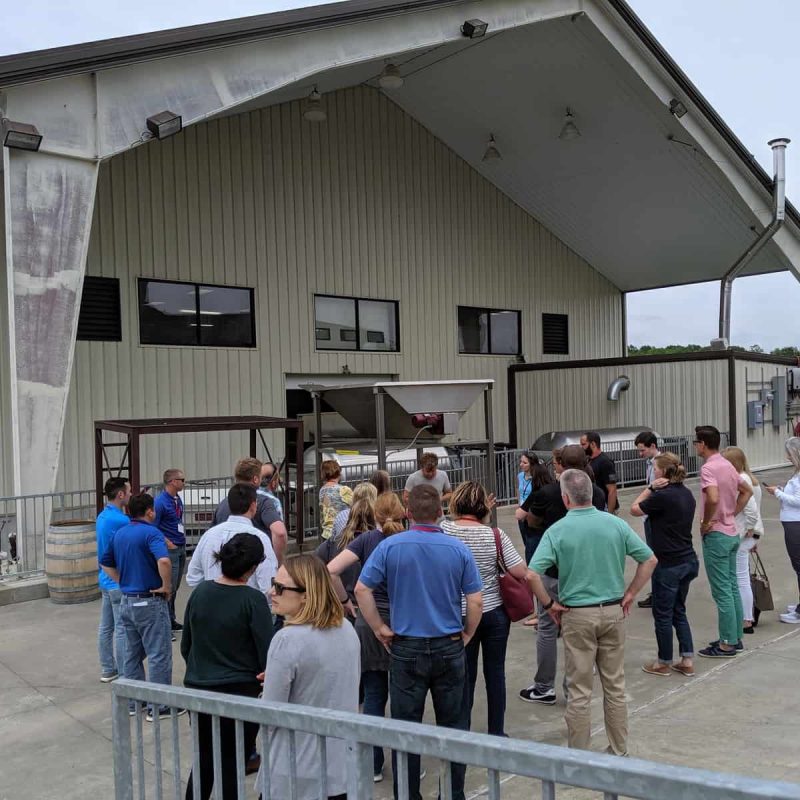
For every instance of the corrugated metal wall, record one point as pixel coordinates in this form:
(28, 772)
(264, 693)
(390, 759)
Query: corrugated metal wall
(764, 447)
(367, 204)
(669, 397)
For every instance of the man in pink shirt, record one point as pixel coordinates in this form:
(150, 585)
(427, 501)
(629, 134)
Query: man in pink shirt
(724, 495)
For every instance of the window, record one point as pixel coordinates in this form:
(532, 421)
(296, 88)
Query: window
(353, 323)
(555, 334)
(99, 319)
(489, 330)
(193, 314)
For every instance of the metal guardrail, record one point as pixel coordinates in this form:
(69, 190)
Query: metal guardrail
(29, 515)
(553, 766)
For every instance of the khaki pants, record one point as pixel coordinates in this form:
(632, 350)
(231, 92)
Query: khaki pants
(595, 636)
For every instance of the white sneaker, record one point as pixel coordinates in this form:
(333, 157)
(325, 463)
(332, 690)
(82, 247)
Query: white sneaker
(793, 618)
(792, 607)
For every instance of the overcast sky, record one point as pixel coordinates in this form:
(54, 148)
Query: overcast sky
(743, 56)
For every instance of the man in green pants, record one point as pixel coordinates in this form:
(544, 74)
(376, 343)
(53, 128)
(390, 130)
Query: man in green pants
(724, 495)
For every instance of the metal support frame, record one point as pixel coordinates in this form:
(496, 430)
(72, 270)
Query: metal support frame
(317, 398)
(130, 462)
(380, 427)
(491, 477)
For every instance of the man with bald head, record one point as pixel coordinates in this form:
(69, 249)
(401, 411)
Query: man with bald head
(589, 548)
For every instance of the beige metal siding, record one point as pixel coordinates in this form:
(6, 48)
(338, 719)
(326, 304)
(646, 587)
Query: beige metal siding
(764, 446)
(669, 397)
(367, 204)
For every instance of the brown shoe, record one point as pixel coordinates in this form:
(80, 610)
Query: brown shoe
(656, 669)
(687, 671)
(253, 764)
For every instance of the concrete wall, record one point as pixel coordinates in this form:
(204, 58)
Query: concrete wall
(367, 204)
(6, 445)
(669, 397)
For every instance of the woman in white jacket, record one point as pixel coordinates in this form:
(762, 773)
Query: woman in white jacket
(789, 497)
(750, 529)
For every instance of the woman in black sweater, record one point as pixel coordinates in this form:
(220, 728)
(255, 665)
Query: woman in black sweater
(226, 632)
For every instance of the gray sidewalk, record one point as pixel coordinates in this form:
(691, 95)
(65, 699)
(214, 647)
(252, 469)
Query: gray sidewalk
(735, 716)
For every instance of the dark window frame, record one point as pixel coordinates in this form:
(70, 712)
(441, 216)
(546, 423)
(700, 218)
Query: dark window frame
(489, 312)
(553, 318)
(141, 282)
(116, 311)
(356, 300)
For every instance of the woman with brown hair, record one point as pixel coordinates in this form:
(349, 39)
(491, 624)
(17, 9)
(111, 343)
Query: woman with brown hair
(470, 509)
(670, 507)
(313, 661)
(333, 497)
(390, 516)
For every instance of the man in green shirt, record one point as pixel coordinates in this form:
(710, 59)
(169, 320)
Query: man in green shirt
(589, 548)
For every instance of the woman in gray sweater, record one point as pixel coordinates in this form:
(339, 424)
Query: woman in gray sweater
(314, 660)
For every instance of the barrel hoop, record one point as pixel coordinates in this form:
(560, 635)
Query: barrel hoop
(70, 575)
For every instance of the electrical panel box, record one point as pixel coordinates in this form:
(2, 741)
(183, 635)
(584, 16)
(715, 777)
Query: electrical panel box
(755, 415)
(780, 400)
(793, 375)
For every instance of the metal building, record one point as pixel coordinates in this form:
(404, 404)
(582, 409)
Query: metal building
(370, 188)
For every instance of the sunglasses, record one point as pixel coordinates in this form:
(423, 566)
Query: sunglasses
(281, 588)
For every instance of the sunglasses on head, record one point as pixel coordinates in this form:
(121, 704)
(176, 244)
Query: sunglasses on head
(280, 588)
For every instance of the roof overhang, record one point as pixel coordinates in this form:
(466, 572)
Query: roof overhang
(646, 198)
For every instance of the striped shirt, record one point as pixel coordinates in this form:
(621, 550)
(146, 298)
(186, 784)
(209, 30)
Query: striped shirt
(480, 540)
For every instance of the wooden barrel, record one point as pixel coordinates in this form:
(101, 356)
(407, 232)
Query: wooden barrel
(71, 551)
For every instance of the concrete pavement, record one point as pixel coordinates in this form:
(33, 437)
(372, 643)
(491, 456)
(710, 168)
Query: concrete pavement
(735, 716)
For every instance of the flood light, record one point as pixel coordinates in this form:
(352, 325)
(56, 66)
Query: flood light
(20, 135)
(164, 124)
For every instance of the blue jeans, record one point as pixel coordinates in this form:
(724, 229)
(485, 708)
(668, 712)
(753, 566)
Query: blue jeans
(145, 621)
(419, 666)
(530, 540)
(110, 634)
(376, 695)
(491, 636)
(177, 558)
(670, 587)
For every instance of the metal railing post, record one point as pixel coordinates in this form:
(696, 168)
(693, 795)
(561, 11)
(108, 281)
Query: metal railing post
(359, 771)
(121, 735)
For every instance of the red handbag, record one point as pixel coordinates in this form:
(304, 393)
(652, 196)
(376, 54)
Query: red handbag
(515, 592)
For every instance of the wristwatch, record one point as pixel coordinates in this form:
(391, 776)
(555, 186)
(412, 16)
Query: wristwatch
(549, 605)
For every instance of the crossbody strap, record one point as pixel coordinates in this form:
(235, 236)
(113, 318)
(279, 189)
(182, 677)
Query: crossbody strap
(501, 565)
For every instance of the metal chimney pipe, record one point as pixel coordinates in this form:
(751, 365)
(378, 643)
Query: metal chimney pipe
(778, 216)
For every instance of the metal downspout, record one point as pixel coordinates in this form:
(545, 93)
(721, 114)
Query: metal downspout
(778, 216)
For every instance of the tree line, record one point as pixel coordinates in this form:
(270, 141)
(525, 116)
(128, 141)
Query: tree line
(670, 349)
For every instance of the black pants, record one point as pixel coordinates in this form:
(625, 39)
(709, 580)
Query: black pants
(791, 534)
(227, 737)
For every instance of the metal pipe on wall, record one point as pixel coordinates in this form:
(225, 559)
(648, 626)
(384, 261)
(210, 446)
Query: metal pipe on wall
(778, 216)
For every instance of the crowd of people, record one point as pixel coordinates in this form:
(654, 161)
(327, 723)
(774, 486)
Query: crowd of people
(403, 597)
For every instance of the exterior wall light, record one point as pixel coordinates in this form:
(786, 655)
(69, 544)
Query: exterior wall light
(20, 135)
(390, 77)
(474, 28)
(314, 112)
(676, 108)
(569, 130)
(164, 124)
(491, 153)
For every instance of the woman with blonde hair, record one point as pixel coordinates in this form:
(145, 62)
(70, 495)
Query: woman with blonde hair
(789, 497)
(390, 517)
(670, 507)
(359, 518)
(750, 529)
(469, 509)
(312, 661)
(364, 491)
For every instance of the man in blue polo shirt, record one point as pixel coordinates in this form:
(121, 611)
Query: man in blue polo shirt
(426, 572)
(110, 635)
(138, 561)
(169, 520)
